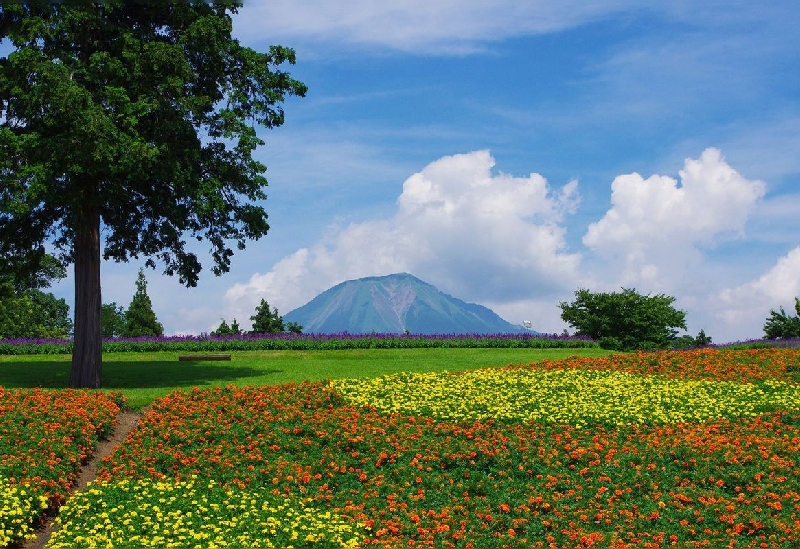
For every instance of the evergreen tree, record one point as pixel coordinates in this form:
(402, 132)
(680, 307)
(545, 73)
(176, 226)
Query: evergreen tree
(294, 328)
(266, 321)
(225, 330)
(222, 330)
(140, 319)
(702, 340)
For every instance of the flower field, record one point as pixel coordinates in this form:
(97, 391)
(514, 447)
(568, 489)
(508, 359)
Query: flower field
(672, 449)
(305, 342)
(44, 438)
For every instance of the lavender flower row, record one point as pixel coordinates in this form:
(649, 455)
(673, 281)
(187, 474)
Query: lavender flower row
(311, 341)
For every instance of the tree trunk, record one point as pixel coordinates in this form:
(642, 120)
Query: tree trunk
(87, 352)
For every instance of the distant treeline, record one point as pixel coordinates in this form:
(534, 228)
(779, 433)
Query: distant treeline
(302, 342)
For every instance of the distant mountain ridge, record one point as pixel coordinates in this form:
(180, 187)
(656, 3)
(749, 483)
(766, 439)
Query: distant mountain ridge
(394, 304)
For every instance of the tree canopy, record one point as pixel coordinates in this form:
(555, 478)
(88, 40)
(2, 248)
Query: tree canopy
(687, 342)
(112, 318)
(266, 320)
(624, 320)
(140, 118)
(32, 314)
(140, 319)
(780, 325)
(25, 310)
(32, 270)
(225, 330)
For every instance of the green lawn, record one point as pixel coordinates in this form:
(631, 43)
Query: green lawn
(144, 377)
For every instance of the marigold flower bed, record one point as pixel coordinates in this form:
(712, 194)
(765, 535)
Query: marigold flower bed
(323, 465)
(44, 438)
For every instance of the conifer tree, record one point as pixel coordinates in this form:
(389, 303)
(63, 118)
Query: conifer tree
(224, 330)
(266, 321)
(140, 319)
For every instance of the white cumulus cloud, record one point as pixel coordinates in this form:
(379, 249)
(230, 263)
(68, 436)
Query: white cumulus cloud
(500, 240)
(744, 308)
(469, 231)
(656, 228)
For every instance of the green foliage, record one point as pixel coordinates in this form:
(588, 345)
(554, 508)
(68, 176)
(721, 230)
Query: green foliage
(25, 310)
(702, 339)
(147, 112)
(688, 342)
(266, 321)
(225, 330)
(12, 312)
(32, 314)
(30, 269)
(302, 342)
(49, 314)
(143, 117)
(113, 319)
(140, 319)
(222, 330)
(779, 325)
(624, 320)
(235, 328)
(683, 342)
(294, 328)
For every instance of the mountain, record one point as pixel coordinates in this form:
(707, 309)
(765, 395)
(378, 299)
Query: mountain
(394, 304)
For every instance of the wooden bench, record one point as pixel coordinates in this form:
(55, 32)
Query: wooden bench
(205, 357)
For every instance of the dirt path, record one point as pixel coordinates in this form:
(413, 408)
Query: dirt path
(126, 421)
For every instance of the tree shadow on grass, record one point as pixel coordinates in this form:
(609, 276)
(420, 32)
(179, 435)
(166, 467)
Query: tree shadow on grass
(129, 374)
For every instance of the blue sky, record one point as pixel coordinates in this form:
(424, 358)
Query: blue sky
(511, 152)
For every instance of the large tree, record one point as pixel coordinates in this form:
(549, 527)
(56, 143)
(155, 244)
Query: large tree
(137, 122)
(624, 320)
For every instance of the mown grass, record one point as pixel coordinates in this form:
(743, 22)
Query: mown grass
(143, 377)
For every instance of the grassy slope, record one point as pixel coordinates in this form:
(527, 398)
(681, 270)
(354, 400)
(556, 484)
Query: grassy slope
(144, 377)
